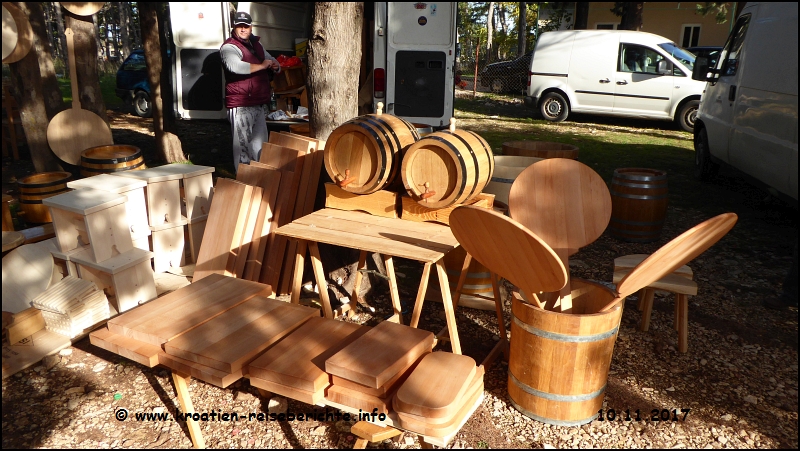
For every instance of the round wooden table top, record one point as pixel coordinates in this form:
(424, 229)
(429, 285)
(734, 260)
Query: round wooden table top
(12, 240)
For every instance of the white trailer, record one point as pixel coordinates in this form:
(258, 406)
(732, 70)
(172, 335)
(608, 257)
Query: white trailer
(414, 53)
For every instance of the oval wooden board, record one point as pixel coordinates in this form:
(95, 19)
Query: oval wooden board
(24, 34)
(74, 130)
(508, 249)
(676, 253)
(27, 271)
(83, 8)
(564, 202)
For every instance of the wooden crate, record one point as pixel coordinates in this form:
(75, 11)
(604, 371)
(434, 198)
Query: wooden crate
(290, 78)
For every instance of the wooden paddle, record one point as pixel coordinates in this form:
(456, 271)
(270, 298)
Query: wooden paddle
(83, 8)
(563, 202)
(74, 130)
(507, 248)
(673, 255)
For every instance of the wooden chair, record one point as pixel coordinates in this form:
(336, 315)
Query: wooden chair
(566, 204)
(679, 282)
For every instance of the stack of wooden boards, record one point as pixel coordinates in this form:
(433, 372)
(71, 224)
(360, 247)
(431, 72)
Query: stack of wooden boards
(93, 232)
(439, 395)
(72, 305)
(271, 192)
(367, 372)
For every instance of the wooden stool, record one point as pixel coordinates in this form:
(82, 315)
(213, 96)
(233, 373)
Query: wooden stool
(129, 275)
(679, 282)
(168, 245)
(162, 193)
(135, 206)
(96, 218)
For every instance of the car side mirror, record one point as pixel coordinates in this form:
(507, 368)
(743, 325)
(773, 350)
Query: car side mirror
(701, 71)
(664, 67)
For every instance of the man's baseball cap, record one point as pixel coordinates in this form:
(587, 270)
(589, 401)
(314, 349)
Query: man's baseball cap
(242, 18)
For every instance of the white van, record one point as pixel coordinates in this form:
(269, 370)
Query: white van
(748, 115)
(615, 73)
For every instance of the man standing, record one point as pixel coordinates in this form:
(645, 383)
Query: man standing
(247, 91)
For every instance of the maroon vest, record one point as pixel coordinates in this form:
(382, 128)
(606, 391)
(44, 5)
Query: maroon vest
(247, 89)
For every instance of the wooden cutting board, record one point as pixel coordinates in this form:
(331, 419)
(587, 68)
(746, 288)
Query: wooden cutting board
(140, 352)
(380, 354)
(207, 374)
(308, 397)
(165, 318)
(27, 272)
(447, 426)
(299, 359)
(358, 400)
(232, 339)
(437, 385)
(381, 391)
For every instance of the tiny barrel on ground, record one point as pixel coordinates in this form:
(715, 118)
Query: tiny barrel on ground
(639, 204)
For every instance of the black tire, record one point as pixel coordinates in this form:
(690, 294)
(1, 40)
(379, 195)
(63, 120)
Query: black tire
(554, 107)
(498, 86)
(142, 105)
(687, 115)
(704, 168)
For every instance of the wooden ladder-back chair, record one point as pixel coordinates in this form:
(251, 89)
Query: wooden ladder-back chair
(566, 204)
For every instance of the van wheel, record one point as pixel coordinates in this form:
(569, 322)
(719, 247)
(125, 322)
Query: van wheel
(688, 115)
(554, 107)
(142, 105)
(704, 168)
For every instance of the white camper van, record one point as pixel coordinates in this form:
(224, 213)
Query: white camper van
(616, 73)
(748, 114)
(198, 31)
(414, 54)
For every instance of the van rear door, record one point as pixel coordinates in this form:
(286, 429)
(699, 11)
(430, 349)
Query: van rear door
(420, 49)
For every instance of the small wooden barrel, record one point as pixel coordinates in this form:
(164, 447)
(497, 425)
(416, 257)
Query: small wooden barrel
(301, 129)
(506, 170)
(447, 168)
(34, 188)
(423, 129)
(558, 362)
(110, 159)
(638, 204)
(478, 281)
(540, 149)
(363, 154)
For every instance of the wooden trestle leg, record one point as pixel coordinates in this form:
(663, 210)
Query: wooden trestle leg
(182, 388)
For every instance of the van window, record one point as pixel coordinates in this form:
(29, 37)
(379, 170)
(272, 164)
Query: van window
(731, 52)
(684, 57)
(638, 59)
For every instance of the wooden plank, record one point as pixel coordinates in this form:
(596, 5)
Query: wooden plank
(381, 353)
(437, 386)
(359, 400)
(29, 351)
(26, 323)
(196, 370)
(413, 211)
(313, 398)
(269, 181)
(233, 338)
(140, 352)
(227, 215)
(298, 360)
(236, 266)
(380, 203)
(185, 308)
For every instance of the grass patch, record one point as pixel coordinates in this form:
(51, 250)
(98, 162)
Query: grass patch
(107, 85)
(605, 143)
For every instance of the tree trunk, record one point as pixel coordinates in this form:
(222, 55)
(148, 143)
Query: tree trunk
(334, 57)
(522, 28)
(582, 15)
(34, 85)
(62, 39)
(86, 64)
(632, 16)
(124, 27)
(489, 33)
(155, 47)
(98, 44)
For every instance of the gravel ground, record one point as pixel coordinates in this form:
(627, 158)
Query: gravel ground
(739, 378)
